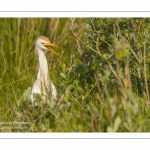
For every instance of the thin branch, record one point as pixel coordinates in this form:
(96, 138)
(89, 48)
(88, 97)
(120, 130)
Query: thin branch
(77, 40)
(13, 82)
(135, 55)
(145, 77)
(78, 103)
(85, 44)
(99, 35)
(99, 89)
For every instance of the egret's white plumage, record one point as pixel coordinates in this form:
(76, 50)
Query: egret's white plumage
(43, 84)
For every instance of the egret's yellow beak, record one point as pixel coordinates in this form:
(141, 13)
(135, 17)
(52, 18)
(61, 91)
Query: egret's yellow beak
(49, 45)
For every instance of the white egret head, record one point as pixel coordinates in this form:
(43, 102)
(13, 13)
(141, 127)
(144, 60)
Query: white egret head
(43, 43)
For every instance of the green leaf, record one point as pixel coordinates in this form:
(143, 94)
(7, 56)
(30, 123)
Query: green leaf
(63, 75)
(110, 129)
(27, 93)
(126, 126)
(88, 27)
(135, 108)
(117, 123)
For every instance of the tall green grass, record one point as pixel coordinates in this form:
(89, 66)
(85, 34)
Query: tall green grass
(101, 75)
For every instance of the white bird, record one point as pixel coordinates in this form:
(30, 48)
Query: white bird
(43, 84)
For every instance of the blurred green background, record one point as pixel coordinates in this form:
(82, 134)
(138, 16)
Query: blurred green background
(101, 74)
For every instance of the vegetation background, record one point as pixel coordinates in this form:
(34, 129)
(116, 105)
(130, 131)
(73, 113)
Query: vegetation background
(102, 75)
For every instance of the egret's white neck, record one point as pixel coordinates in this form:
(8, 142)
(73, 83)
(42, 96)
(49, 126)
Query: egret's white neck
(43, 66)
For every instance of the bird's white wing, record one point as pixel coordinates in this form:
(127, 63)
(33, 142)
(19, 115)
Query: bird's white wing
(54, 92)
(36, 87)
